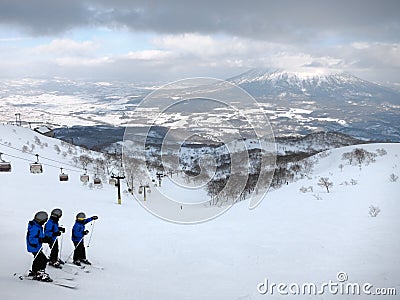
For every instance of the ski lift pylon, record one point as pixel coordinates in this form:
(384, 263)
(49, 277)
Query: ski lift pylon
(4, 166)
(36, 167)
(63, 176)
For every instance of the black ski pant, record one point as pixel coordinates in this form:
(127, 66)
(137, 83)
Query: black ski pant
(39, 263)
(79, 252)
(54, 252)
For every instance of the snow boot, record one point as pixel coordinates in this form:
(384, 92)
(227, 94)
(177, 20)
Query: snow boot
(42, 276)
(85, 261)
(61, 261)
(55, 264)
(77, 262)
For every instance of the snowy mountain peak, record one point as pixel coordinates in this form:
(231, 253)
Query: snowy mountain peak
(314, 83)
(294, 77)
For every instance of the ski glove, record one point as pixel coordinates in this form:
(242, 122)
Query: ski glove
(62, 229)
(58, 233)
(95, 217)
(86, 232)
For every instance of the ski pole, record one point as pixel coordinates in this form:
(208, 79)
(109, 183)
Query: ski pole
(61, 244)
(38, 252)
(52, 245)
(90, 237)
(69, 256)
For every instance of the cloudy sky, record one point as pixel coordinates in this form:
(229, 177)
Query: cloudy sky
(156, 40)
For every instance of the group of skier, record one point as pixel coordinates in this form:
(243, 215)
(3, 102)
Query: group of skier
(37, 236)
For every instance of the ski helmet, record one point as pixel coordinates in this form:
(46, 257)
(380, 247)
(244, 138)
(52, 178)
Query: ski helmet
(81, 216)
(41, 217)
(57, 213)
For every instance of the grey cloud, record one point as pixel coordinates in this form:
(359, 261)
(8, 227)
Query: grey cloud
(314, 27)
(298, 21)
(44, 17)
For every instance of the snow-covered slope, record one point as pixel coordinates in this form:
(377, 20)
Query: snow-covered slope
(291, 237)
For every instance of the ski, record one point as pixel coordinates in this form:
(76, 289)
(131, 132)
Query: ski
(96, 267)
(63, 282)
(67, 270)
(70, 271)
(82, 268)
(85, 266)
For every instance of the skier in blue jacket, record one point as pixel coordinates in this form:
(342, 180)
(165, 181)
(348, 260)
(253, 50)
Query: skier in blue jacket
(34, 243)
(78, 233)
(52, 230)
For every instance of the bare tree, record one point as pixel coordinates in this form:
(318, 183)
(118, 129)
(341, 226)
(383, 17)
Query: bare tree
(75, 160)
(348, 156)
(57, 148)
(100, 165)
(296, 168)
(85, 160)
(37, 141)
(393, 177)
(318, 197)
(374, 211)
(324, 182)
(381, 152)
(359, 156)
(303, 189)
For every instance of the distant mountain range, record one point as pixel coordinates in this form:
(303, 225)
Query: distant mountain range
(301, 102)
(340, 86)
(296, 103)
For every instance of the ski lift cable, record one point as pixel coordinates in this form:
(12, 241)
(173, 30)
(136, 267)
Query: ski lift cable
(43, 157)
(44, 164)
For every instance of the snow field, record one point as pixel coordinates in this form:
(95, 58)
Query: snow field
(290, 237)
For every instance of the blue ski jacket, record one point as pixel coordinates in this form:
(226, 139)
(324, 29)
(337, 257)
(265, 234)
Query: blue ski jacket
(33, 236)
(78, 229)
(51, 228)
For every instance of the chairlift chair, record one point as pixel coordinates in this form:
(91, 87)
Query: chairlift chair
(96, 180)
(63, 176)
(36, 167)
(4, 166)
(85, 177)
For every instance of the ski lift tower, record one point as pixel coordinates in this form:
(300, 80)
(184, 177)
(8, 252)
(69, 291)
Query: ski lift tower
(18, 121)
(160, 176)
(142, 189)
(118, 185)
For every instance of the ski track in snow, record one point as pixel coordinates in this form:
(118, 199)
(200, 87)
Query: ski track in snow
(290, 237)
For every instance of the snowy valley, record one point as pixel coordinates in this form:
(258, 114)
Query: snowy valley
(295, 103)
